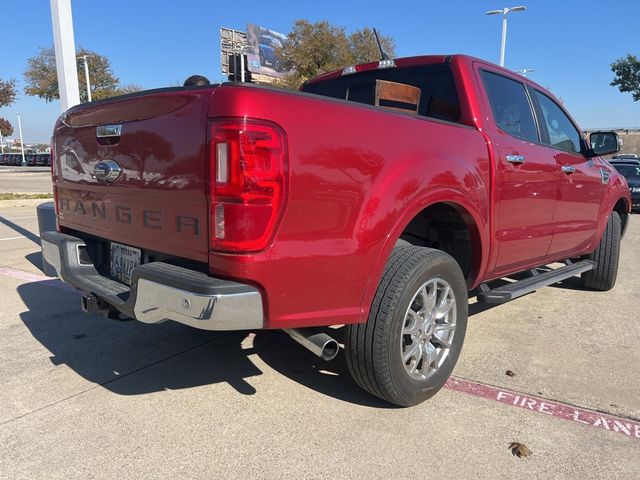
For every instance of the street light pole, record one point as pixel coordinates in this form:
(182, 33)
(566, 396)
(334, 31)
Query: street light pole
(503, 42)
(86, 77)
(504, 12)
(242, 65)
(24, 162)
(1, 142)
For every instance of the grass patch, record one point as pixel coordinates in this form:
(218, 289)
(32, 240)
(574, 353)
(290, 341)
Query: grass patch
(24, 196)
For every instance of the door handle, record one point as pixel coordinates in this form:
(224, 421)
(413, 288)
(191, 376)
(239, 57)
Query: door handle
(568, 169)
(517, 159)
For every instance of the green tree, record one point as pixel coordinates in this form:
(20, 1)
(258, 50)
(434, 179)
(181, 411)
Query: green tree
(7, 97)
(315, 48)
(364, 48)
(6, 128)
(42, 79)
(627, 75)
(7, 92)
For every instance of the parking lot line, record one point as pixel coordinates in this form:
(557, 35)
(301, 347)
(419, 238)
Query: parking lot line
(18, 238)
(18, 218)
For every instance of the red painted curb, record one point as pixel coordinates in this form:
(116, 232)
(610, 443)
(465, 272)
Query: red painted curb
(35, 277)
(583, 416)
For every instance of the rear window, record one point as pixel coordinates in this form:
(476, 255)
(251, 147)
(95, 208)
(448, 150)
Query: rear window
(438, 95)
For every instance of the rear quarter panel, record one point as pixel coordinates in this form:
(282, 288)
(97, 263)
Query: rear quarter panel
(357, 176)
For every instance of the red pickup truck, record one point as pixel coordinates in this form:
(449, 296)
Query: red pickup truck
(378, 197)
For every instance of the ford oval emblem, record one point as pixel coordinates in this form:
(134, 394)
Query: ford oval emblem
(107, 171)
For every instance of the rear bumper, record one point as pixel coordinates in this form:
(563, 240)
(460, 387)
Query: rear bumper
(159, 291)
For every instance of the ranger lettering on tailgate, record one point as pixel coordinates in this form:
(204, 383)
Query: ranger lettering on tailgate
(123, 214)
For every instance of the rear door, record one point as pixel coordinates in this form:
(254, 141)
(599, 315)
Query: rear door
(526, 177)
(582, 182)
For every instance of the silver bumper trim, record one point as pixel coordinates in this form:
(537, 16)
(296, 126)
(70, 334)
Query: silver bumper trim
(51, 253)
(159, 291)
(157, 303)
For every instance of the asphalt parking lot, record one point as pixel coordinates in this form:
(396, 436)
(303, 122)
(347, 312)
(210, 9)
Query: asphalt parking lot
(25, 179)
(86, 397)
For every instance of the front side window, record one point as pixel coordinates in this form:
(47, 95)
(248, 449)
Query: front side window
(562, 134)
(510, 106)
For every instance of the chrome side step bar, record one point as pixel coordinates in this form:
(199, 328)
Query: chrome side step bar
(537, 280)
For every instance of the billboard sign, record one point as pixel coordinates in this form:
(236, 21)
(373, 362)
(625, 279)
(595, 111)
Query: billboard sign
(232, 42)
(261, 48)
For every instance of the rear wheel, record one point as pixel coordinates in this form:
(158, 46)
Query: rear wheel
(606, 257)
(408, 347)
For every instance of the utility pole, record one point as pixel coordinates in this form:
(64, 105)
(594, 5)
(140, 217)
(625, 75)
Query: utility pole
(24, 162)
(504, 12)
(1, 142)
(64, 43)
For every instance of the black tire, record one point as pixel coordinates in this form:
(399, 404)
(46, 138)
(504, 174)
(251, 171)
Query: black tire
(373, 349)
(606, 257)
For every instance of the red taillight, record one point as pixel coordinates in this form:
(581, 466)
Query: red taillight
(247, 183)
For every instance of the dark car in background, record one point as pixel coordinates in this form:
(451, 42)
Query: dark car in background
(43, 160)
(3, 158)
(31, 159)
(630, 169)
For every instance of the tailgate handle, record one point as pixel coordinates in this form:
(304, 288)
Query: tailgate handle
(106, 131)
(516, 159)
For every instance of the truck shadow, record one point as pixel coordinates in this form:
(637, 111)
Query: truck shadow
(132, 358)
(20, 230)
(332, 378)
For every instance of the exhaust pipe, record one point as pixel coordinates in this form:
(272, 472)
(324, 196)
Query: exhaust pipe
(317, 342)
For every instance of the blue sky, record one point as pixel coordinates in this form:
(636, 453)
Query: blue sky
(158, 43)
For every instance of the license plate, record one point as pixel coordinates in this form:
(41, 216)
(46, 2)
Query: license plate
(123, 260)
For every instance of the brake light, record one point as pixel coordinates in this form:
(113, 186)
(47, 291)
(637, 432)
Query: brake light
(247, 183)
(364, 67)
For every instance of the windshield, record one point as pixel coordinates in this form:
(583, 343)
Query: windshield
(629, 171)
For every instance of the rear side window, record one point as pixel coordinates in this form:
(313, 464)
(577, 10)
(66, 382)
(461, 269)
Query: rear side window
(511, 107)
(438, 95)
(562, 134)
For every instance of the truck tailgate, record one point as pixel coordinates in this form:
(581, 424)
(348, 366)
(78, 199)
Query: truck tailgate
(159, 200)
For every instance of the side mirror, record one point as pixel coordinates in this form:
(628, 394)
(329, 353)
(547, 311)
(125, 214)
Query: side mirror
(603, 143)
